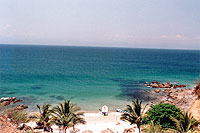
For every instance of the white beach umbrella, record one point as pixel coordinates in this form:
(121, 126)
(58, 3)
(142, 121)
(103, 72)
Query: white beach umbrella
(105, 108)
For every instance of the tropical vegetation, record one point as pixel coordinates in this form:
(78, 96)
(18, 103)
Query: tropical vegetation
(67, 115)
(152, 128)
(44, 117)
(186, 123)
(18, 116)
(134, 114)
(161, 113)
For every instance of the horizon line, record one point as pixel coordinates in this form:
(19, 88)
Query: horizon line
(68, 45)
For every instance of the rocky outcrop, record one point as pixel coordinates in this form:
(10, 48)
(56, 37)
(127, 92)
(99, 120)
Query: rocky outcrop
(185, 99)
(196, 90)
(21, 107)
(156, 84)
(182, 98)
(9, 100)
(179, 86)
(5, 101)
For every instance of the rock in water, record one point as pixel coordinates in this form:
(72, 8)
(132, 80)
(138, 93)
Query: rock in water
(21, 107)
(157, 90)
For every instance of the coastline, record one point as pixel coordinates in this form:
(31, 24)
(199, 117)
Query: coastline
(96, 122)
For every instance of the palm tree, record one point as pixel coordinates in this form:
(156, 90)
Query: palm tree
(134, 113)
(44, 116)
(186, 122)
(66, 115)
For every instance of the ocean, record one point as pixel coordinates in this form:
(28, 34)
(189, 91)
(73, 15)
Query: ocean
(90, 76)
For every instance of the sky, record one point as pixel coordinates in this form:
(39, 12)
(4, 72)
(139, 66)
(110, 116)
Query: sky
(109, 23)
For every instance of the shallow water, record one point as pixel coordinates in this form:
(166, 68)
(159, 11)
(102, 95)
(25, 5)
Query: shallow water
(90, 76)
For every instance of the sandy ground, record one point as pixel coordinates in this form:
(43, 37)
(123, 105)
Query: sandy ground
(195, 109)
(96, 122)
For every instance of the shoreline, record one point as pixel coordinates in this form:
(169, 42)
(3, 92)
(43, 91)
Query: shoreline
(96, 122)
(183, 98)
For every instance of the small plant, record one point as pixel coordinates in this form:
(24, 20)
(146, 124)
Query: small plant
(17, 117)
(152, 128)
(186, 123)
(161, 114)
(2, 109)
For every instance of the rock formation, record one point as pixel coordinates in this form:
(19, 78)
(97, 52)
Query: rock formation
(9, 100)
(156, 84)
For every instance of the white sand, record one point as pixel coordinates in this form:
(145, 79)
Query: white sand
(96, 122)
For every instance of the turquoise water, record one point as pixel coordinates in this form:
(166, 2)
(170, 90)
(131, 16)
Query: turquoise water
(90, 76)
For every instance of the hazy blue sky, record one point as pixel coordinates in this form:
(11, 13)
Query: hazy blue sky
(124, 23)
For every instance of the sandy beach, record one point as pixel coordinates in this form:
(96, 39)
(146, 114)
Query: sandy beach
(96, 122)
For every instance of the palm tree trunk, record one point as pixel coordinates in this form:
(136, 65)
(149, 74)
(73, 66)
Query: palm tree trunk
(138, 125)
(64, 129)
(73, 129)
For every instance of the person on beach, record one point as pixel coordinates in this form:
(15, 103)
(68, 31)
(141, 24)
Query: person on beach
(105, 110)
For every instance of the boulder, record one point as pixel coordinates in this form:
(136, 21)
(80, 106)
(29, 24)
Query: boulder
(154, 86)
(12, 99)
(17, 100)
(157, 90)
(4, 99)
(21, 107)
(179, 86)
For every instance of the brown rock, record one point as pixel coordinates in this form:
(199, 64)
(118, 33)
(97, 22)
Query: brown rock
(154, 86)
(155, 82)
(179, 86)
(157, 90)
(12, 99)
(17, 100)
(21, 107)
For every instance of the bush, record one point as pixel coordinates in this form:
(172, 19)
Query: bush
(161, 113)
(17, 117)
(2, 108)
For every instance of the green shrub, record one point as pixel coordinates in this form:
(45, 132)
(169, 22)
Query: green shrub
(17, 117)
(161, 113)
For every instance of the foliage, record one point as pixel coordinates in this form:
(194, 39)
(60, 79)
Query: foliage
(67, 115)
(43, 118)
(186, 122)
(161, 114)
(17, 117)
(152, 128)
(134, 113)
(2, 109)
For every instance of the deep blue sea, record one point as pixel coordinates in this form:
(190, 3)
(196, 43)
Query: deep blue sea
(90, 76)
